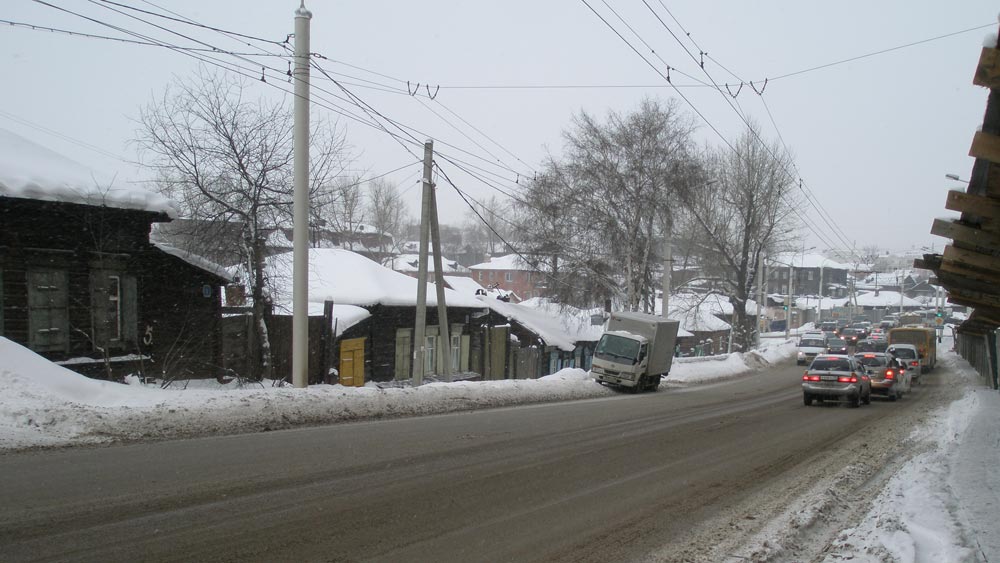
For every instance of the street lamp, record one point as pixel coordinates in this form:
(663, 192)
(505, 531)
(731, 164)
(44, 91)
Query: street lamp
(955, 178)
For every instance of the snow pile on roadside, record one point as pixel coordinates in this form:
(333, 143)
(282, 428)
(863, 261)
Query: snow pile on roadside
(914, 518)
(47, 405)
(709, 368)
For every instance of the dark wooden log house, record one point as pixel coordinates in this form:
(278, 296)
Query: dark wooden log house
(81, 284)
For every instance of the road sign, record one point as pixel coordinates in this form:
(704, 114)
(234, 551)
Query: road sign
(938, 321)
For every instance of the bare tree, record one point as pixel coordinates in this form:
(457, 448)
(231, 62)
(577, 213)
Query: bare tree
(740, 210)
(227, 158)
(388, 215)
(603, 207)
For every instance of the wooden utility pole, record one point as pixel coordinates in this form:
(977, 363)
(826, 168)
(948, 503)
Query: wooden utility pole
(420, 329)
(444, 331)
(429, 228)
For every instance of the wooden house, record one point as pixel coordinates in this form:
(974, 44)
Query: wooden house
(80, 282)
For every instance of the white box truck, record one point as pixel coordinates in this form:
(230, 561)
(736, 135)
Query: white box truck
(634, 351)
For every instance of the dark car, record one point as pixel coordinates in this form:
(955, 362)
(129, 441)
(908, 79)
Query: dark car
(836, 377)
(863, 328)
(836, 346)
(851, 335)
(871, 345)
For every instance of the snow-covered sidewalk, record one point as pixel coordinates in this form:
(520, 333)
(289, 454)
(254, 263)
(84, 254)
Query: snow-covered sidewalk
(942, 505)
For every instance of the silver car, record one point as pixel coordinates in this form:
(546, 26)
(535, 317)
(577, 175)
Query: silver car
(836, 377)
(910, 357)
(887, 380)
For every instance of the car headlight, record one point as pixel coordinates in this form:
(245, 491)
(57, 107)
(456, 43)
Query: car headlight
(802, 354)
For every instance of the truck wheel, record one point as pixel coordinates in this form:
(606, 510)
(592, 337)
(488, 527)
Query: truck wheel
(807, 399)
(656, 383)
(638, 385)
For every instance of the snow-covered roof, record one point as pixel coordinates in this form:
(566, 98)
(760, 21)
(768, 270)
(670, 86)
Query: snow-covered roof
(508, 262)
(799, 260)
(556, 325)
(195, 260)
(349, 278)
(695, 312)
(885, 299)
(464, 285)
(826, 304)
(411, 262)
(31, 171)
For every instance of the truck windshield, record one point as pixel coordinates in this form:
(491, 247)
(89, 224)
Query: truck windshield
(617, 348)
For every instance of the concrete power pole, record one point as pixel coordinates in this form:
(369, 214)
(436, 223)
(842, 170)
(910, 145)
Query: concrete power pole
(668, 265)
(420, 329)
(300, 223)
(444, 330)
(788, 302)
(761, 298)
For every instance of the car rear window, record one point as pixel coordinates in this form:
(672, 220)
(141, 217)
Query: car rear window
(835, 342)
(837, 364)
(904, 353)
(877, 361)
(812, 343)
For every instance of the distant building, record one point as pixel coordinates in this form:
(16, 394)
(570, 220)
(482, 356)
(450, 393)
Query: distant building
(512, 274)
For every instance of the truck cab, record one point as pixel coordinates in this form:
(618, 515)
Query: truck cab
(635, 351)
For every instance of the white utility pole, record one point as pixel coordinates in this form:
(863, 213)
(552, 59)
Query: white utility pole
(420, 329)
(788, 302)
(761, 299)
(300, 225)
(668, 265)
(819, 308)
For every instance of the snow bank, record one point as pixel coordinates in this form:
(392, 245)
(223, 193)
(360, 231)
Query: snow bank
(44, 404)
(710, 368)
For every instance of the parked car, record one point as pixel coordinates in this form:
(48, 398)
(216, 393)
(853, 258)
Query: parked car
(910, 357)
(836, 377)
(836, 346)
(810, 346)
(851, 335)
(871, 345)
(888, 381)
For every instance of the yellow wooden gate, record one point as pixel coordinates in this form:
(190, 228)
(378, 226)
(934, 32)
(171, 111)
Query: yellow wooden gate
(352, 362)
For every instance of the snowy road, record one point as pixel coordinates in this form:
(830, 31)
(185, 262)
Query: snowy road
(683, 474)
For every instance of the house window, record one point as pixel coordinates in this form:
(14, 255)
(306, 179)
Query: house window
(113, 306)
(456, 352)
(480, 276)
(509, 277)
(810, 275)
(114, 318)
(430, 355)
(491, 276)
(48, 311)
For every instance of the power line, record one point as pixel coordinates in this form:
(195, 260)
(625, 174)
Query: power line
(880, 52)
(834, 228)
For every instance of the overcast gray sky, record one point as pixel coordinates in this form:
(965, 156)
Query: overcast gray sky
(872, 138)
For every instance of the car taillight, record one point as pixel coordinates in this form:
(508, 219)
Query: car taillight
(808, 377)
(847, 379)
(914, 363)
(889, 374)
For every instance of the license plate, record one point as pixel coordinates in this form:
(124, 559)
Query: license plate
(828, 378)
